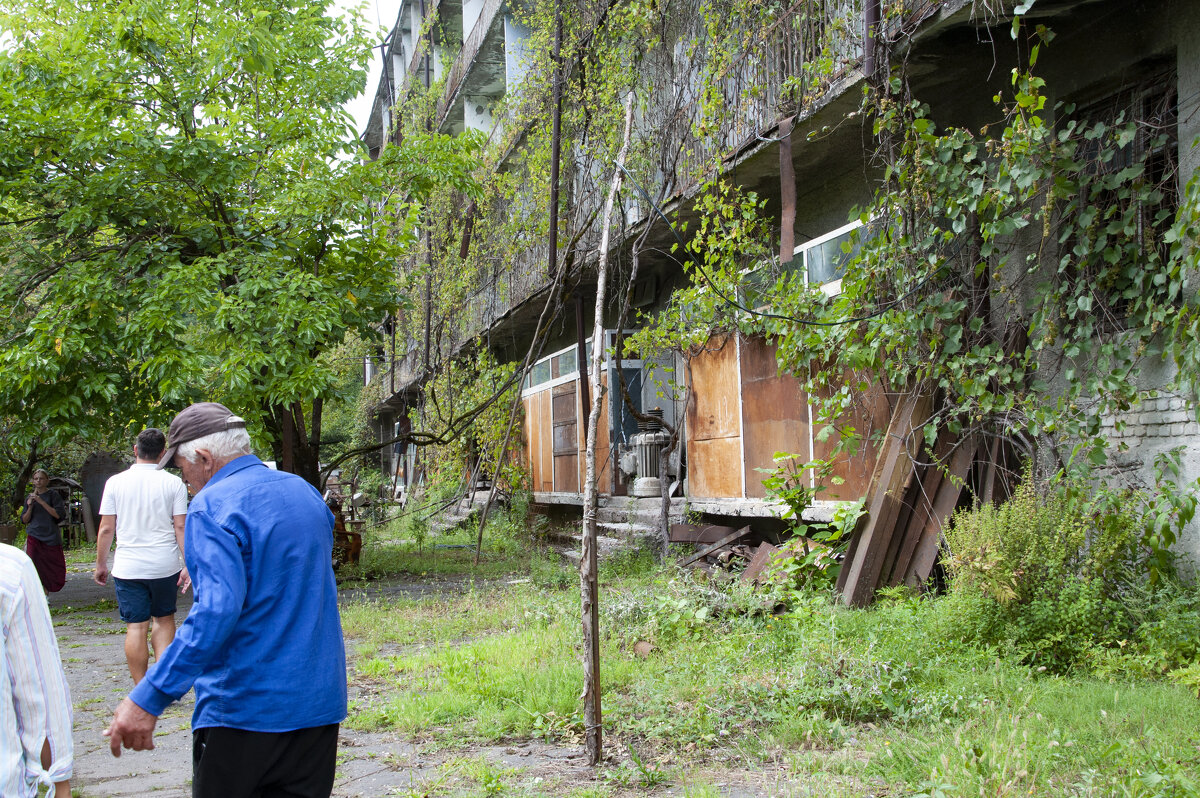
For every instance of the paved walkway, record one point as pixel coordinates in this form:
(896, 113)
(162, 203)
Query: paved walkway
(91, 634)
(90, 638)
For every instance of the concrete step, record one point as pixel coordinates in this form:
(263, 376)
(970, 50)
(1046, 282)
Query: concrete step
(570, 547)
(634, 533)
(638, 511)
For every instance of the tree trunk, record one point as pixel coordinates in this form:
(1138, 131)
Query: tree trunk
(299, 452)
(588, 577)
(16, 495)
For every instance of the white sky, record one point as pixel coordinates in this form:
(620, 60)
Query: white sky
(381, 14)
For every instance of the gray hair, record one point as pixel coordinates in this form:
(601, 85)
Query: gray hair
(224, 445)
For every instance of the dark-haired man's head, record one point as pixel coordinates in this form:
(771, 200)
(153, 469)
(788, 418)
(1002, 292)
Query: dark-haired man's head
(150, 444)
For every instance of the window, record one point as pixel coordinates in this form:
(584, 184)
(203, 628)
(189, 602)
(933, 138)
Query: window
(553, 369)
(1143, 114)
(822, 261)
(824, 258)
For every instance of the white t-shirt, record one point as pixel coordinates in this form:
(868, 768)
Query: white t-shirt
(145, 501)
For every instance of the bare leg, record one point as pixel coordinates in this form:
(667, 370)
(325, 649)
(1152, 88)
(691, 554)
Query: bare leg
(137, 655)
(162, 632)
(62, 789)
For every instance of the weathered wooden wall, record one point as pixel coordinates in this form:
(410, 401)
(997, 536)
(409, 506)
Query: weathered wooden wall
(743, 411)
(538, 434)
(714, 422)
(555, 426)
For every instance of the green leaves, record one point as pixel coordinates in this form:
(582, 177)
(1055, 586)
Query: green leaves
(190, 224)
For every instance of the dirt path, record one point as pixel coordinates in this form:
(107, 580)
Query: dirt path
(369, 764)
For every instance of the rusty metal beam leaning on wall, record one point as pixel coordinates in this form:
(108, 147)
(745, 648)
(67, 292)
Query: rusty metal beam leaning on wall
(787, 193)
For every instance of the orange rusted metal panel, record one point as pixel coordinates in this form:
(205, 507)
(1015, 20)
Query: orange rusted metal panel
(714, 422)
(539, 426)
(713, 411)
(714, 468)
(774, 413)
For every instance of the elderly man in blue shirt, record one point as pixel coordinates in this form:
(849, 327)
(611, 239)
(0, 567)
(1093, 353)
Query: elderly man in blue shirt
(262, 644)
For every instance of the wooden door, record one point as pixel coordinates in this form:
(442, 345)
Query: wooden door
(566, 437)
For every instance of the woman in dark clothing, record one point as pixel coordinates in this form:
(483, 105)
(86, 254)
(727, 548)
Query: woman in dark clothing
(44, 510)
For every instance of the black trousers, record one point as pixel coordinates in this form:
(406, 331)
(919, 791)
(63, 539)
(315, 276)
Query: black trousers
(232, 763)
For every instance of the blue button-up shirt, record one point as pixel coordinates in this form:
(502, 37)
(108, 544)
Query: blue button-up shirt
(263, 641)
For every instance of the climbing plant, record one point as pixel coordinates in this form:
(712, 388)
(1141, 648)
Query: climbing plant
(1025, 273)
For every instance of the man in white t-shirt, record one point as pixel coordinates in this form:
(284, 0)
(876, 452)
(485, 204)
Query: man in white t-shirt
(145, 508)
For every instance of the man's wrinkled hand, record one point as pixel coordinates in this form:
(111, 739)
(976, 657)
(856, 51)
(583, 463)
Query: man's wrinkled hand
(185, 581)
(131, 727)
(100, 575)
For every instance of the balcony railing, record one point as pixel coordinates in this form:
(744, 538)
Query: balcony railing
(786, 68)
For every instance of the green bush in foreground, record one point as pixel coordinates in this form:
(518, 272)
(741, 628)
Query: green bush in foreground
(1071, 579)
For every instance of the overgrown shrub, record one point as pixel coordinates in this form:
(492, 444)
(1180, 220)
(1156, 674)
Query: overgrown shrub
(1060, 570)
(1167, 624)
(811, 559)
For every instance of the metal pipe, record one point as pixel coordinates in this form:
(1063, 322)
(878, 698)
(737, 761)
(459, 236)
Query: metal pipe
(870, 38)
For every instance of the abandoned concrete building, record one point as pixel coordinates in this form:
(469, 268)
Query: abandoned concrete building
(809, 154)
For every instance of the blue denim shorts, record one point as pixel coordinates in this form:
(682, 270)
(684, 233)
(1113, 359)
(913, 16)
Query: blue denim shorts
(139, 599)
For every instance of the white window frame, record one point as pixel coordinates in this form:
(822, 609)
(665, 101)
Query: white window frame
(609, 339)
(553, 381)
(833, 287)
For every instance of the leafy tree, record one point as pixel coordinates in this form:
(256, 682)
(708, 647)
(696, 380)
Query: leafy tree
(183, 214)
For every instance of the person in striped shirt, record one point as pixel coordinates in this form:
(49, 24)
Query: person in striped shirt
(36, 749)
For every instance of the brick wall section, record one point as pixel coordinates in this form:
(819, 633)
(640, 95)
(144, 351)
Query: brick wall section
(1154, 427)
(1165, 417)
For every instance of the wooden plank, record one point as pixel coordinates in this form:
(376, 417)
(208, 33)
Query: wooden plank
(763, 556)
(944, 502)
(887, 453)
(1007, 471)
(911, 495)
(703, 533)
(878, 525)
(566, 473)
(545, 454)
(852, 550)
(565, 438)
(904, 538)
(987, 493)
(732, 537)
(928, 488)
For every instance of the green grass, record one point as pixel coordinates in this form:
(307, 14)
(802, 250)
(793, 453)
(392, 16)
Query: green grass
(883, 700)
(101, 605)
(388, 551)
